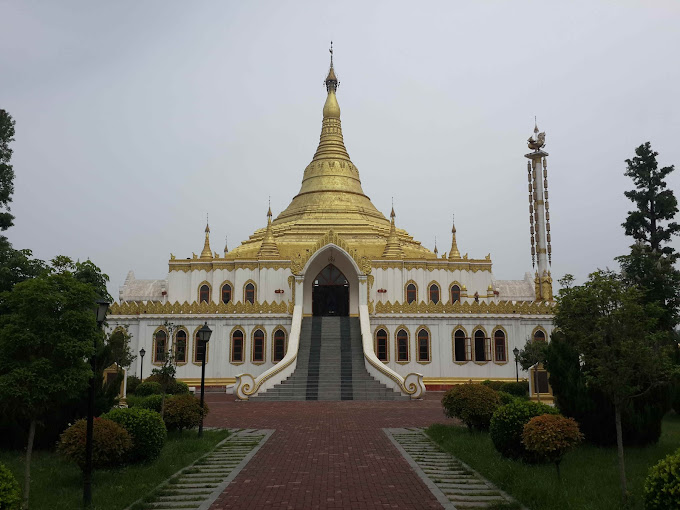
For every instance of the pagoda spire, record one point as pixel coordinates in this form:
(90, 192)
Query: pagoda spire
(226, 245)
(207, 252)
(454, 254)
(268, 248)
(436, 251)
(393, 248)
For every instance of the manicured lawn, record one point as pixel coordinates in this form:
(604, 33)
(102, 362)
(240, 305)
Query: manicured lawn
(57, 484)
(589, 474)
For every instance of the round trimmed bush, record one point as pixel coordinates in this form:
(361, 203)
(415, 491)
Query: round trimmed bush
(110, 443)
(474, 404)
(148, 388)
(10, 493)
(132, 383)
(494, 385)
(662, 485)
(550, 436)
(147, 429)
(505, 398)
(183, 412)
(518, 389)
(178, 388)
(153, 402)
(507, 426)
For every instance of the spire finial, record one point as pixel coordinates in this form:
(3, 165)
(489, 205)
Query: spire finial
(436, 251)
(269, 211)
(226, 244)
(392, 215)
(535, 125)
(207, 224)
(454, 254)
(206, 253)
(331, 80)
(331, 50)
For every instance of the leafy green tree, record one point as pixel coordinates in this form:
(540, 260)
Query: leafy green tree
(623, 355)
(16, 265)
(47, 334)
(6, 170)
(533, 352)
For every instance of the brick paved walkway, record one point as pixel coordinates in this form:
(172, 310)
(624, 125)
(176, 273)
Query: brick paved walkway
(326, 454)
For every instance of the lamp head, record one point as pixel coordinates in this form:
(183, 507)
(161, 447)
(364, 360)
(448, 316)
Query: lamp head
(204, 333)
(100, 311)
(515, 351)
(142, 352)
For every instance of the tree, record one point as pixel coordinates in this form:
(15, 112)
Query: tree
(622, 353)
(16, 265)
(6, 171)
(533, 353)
(47, 334)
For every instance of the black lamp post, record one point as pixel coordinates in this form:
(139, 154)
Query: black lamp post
(142, 352)
(203, 337)
(100, 313)
(515, 351)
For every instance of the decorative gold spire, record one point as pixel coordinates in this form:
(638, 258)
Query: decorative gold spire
(268, 248)
(436, 251)
(393, 248)
(207, 252)
(226, 245)
(454, 254)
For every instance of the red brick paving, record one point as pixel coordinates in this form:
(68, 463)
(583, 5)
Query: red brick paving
(326, 454)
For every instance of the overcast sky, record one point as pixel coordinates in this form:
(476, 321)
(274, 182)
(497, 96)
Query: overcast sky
(135, 119)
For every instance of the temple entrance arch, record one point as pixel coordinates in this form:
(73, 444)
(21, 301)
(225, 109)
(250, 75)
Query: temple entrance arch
(330, 293)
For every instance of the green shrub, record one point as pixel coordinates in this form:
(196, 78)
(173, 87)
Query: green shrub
(474, 404)
(518, 389)
(505, 398)
(110, 443)
(178, 388)
(148, 388)
(132, 383)
(662, 485)
(494, 385)
(550, 436)
(153, 402)
(183, 412)
(147, 429)
(507, 426)
(10, 494)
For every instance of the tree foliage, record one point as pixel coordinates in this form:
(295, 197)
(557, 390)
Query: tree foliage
(6, 170)
(16, 265)
(533, 352)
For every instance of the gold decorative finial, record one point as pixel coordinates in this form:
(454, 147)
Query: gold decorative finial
(535, 125)
(393, 249)
(226, 245)
(269, 248)
(332, 82)
(207, 252)
(269, 211)
(454, 254)
(436, 251)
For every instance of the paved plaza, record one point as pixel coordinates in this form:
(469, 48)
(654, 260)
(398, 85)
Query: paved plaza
(326, 454)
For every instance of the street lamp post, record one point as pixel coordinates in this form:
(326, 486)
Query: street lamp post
(142, 352)
(515, 351)
(100, 312)
(203, 337)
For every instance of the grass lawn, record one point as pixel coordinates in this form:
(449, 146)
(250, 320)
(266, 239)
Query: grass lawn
(589, 474)
(57, 484)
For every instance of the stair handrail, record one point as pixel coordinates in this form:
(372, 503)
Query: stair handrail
(247, 385)
(411, 385)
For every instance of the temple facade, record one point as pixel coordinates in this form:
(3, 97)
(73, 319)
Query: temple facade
(424, 320)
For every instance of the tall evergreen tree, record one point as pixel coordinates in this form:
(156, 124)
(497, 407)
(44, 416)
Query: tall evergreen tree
(6, 171)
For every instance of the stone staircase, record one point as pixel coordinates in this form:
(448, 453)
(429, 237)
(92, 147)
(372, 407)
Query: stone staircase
(330, 366)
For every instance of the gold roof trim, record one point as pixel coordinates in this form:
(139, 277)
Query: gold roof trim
(501, 308)
(176, 308)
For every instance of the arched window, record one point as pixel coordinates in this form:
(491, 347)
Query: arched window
(237, 346)
(200, 350)
(204, 294)
(381, 344)
(455, 293)
(181, 346)
(434, 293)
(226, 293)
(539, 335)
(411, 293)
(249, 293)
(423, 345)
(402, 345)
(258, 346)
(161, 347)
(279, 345)
(499, 345)
(480, 346)
(460, 346)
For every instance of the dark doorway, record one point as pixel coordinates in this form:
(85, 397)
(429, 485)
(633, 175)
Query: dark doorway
(330, 293)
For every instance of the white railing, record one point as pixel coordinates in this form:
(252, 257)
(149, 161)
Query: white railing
(411, 385)
(246, 385)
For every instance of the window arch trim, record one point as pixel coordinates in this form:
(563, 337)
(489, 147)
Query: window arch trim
(396, 345)
(460, 291)
(186, 347)
(429, 292)
(493, 339)
(285, 342)
(254, 291)
(487, 346)
(410, 282)
(231, 346)
(264, 344)
(429, 345)
(231, 286)
(467, 346)
(210, 291)
(154, 360)
(536, 329)
(194, 350)
(387, 342)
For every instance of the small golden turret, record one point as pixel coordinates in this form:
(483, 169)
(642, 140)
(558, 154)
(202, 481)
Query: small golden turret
(207, 252)
(454, 254)
(393, 248)
(226, 247)
(268, 248)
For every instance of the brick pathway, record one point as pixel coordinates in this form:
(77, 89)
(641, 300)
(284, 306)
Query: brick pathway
(326, 454)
